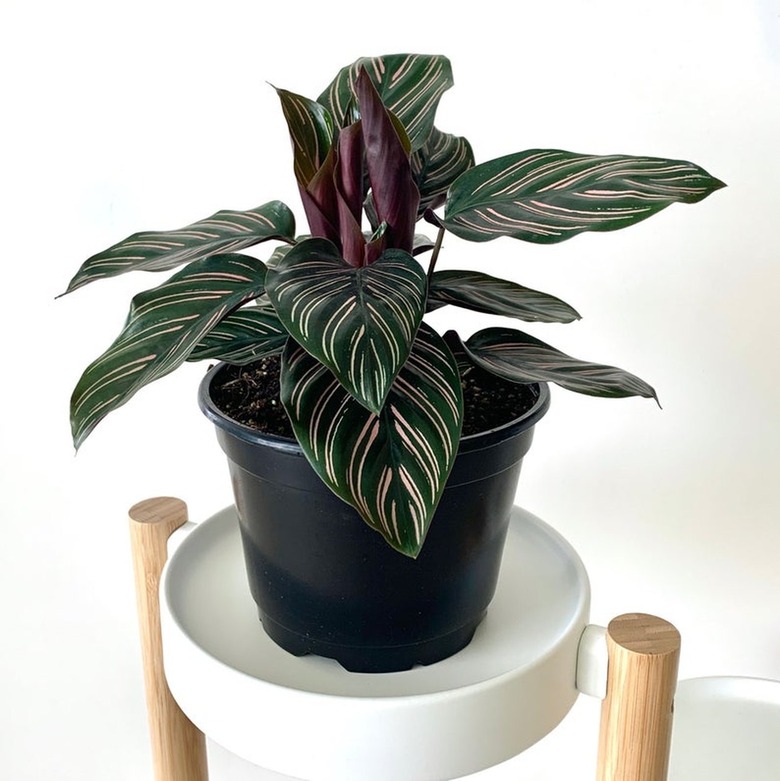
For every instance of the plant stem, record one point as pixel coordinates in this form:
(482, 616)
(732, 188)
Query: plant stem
(435, 255)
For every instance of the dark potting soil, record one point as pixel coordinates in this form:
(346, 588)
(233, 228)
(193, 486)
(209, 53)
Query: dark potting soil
(250, 395)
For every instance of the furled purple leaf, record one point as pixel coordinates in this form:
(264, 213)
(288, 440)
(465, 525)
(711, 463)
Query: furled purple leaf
(320, 202)
(348, 176)
(395, 195)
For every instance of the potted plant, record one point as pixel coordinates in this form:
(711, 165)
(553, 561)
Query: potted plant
(373, 397)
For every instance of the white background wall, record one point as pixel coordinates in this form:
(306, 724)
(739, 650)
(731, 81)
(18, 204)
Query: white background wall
(149, 115)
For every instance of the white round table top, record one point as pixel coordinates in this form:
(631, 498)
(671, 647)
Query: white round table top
(309, 718)
(726, 729)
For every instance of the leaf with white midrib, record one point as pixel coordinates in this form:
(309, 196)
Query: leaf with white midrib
(163, 327)
(223, 232)
(484, 293)
(391, 467)
(549, 195)
(359, 322)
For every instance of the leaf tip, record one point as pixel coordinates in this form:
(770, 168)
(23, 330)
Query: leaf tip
(78, 441)
(74, 284)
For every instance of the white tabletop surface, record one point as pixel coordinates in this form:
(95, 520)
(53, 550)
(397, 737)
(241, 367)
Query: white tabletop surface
(309, 717)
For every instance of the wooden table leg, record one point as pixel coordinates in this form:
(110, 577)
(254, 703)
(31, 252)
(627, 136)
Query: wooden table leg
(178, 747)
(636, 716)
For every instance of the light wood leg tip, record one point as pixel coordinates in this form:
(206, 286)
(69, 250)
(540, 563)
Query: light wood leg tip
(158, 509)
(641, 633)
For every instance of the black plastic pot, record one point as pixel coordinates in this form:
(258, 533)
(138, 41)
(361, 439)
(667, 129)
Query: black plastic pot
(325, 583)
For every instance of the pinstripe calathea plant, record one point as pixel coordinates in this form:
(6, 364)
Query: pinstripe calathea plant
(372, 391)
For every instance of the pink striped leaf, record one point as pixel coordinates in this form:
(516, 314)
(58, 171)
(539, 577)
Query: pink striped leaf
(518, 357)
(437, 165)
(410, 86)
(483, 293)
(164, 326)
(390, 466)
(223, 232)
(246, 335)
(547, 195)
(359, 322)
(311, 132)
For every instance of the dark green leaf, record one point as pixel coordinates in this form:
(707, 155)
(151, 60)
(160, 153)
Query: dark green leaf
(458, 350)
(410, 85)
(163, 327)
(484, 293)
(376, 243)
(519, 357)
(359, 322)
(243, 336)
(311, 132)
(422, 244)
(547, 195)
(223, 232)
(279, 252)
(390, 467)
(438, 164)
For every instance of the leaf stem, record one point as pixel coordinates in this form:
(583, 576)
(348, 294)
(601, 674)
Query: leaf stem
(435, 255)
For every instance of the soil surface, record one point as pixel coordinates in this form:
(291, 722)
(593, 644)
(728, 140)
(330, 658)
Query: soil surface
(250, 395)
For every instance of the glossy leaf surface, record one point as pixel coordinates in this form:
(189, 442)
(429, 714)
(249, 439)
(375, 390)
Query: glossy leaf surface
(359, 322)
(320, 201)
(243, 336)
(519, 357)
(438, 164)
(483, 293)
(317, 170)
(394, 194)
(392, 466)
(422, 243)
(311, 132)
(163, 327)
(547, 195)
(273, 260)
(410, 85)
(223, 232)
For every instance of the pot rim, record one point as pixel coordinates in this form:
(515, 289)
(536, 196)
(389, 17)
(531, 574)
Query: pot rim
(467, 444)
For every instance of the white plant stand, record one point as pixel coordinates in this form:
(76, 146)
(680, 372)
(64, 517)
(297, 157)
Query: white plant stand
(726, 729)
(308, 718)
